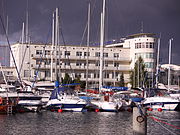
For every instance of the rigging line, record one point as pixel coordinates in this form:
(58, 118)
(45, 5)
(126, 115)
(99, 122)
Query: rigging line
(73, 77)
(65, 47)
(41, 56)
(11, 50)
(87, 22)
(23, 59)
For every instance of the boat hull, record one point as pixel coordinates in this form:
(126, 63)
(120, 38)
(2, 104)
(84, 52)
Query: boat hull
(165, 103)
(105, 106)
(66, 105)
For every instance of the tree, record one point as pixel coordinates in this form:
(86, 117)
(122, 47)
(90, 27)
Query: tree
(121, 83)
(67, 79)
(82, 84)
(138, 74)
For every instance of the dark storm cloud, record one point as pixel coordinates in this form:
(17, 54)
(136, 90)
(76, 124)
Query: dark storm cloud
(123, 17)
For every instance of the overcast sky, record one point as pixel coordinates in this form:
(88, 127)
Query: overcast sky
(123, 17)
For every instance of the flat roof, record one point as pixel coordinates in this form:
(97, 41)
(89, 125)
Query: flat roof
(141, 34)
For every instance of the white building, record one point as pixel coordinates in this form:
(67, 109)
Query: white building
(118, 58)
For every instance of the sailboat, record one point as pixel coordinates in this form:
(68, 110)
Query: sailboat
(105, 102)
(161, 101)
(63, 98)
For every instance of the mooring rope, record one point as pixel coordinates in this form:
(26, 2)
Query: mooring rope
(166, 128)
(164, 122)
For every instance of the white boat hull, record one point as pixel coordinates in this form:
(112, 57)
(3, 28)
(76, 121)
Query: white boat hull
(165, 103)
(105, 106)
(67, 104)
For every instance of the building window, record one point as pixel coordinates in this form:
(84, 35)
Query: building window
(47, 62)
(97, 64)
(78, 63)
(151, 45)
(96, 75)
(77, 75)
(116, 55)
(85, 53)
(89, 75)
(143, 45)
(106, 75)
(47, 74)
(97, 54)
(149, 64)
(78, 53)
(26, 73)
(67, 63)
(38, 52)
(67, 53)
(38, 62)
(135, 45)
(47, 52)
(116, 64)
(105, 54)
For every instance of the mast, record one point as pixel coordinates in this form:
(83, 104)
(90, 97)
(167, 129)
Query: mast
(22, 50)
(4, 29)
(59, 53)
(7, 25)
(101, 47)
(7, 29)
(27, 23)
(7, 98)
(28, 37)
(169, 70)
(87, 54)
(29, 41)
(157, 66)
(52, 48)
(56, 43)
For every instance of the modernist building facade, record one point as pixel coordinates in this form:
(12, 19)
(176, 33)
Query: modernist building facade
(118, 58)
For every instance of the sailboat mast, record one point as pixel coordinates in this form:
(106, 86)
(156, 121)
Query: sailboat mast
(169, 70)
(7, 25)
(22, 35)
(56, 43)
(52, 48)
(59, 52)
(101, 47)
(157, 66)
(87, 54)
(22, 50)
(27, 24)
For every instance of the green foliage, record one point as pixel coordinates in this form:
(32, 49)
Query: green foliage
(121, 83)
(138, 74)
(83, 84)
(67, 79)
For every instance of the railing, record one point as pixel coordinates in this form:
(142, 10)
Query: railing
(74, 57)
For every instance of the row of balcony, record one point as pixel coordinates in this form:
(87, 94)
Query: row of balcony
(82, 67)
(74, 57)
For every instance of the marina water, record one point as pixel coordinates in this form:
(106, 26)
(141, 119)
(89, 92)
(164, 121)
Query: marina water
(87, 123)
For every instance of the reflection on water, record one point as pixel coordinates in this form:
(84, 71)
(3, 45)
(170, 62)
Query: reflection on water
(89, 123)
